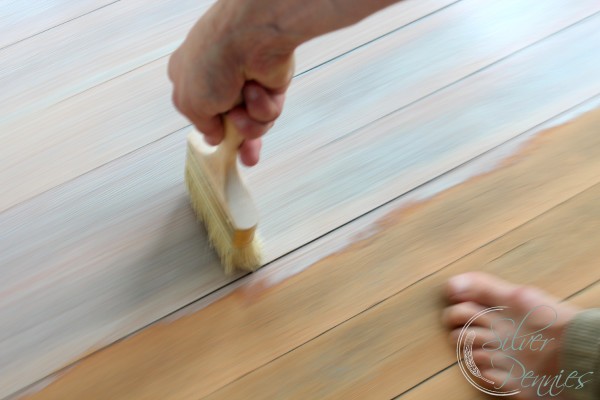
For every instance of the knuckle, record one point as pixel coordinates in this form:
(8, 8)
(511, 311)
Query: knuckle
(176, 100)
(181, 103)
(522, 294)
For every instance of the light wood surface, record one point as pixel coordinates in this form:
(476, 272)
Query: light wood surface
(311, 336)
(97, 240)
(129, 53)
(133, 109)
(20, 20)
(389, 348)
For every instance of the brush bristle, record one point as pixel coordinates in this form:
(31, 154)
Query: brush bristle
(208, 209)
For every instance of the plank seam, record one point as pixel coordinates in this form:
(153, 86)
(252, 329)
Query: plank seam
(395, 30)
(326, 144)
(56, 26)
(134, 332)
(413, 284)
(445, 173)
(464, 78)
(295, 76)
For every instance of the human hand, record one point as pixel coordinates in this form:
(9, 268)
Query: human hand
(233, 55)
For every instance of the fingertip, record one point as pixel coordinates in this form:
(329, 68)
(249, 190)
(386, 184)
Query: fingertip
(250, 152)
(212, 140)
(211, 128)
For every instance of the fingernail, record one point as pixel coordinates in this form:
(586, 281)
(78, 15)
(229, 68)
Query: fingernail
(251, 93)
(459, 284)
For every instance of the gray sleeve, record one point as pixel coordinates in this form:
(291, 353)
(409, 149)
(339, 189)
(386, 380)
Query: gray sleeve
(581, 353)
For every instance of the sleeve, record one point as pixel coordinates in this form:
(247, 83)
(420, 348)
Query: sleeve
(581, 353)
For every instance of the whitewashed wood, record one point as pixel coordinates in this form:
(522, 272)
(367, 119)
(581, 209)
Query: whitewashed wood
(102, 45)
(20, 19)
(112, 119)
(113, 250)
(335, 44)
(361, 228)
(83, 53)
(374, 163)
(77, 57)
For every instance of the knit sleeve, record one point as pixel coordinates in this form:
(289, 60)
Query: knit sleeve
(581, 353)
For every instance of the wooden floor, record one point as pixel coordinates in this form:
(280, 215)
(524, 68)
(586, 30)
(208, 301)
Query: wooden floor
(433, 138)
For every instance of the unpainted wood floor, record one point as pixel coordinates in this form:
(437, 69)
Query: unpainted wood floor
(433, 138)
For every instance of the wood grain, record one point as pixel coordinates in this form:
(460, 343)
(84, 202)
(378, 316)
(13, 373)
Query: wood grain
(346, 326)
(80, 56)
(450, 383)
(390, 347)
(20, 20)
(101, 123)
(406, 147)
(113, 41)
(114, 250)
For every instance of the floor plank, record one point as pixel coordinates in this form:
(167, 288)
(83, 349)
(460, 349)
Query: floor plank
(404, 148)
(287, 324)
(85, 53)
(107, 121)
(121, 240)
(390, 347)
(145, 256)
(451, 385)
(89, 51)
(80, 56)
(20, 20)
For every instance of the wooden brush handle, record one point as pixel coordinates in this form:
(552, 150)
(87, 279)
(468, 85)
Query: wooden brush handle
(228, 149)
(237, 200)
